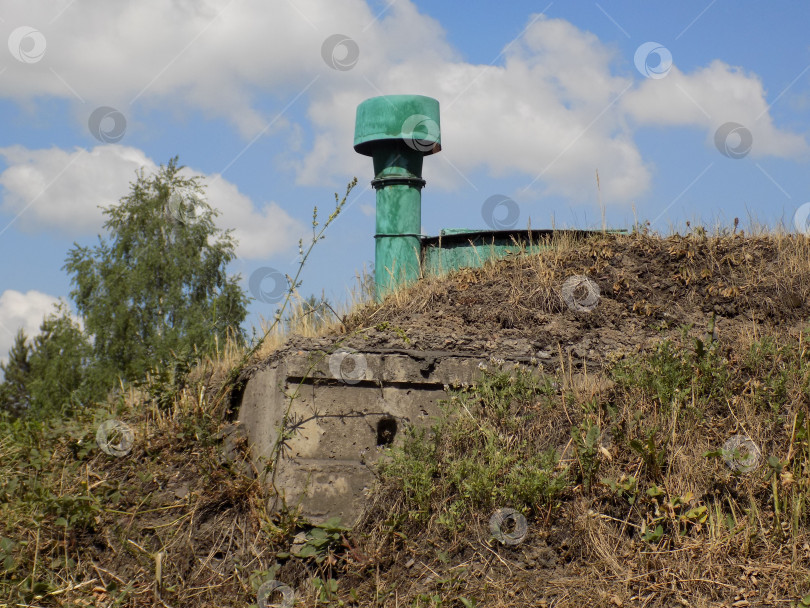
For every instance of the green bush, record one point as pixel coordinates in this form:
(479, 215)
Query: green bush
(479, 455)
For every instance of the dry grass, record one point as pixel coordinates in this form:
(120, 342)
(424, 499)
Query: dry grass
(176, 523)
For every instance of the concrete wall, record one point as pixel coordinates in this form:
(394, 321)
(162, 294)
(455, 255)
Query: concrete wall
(342, 407)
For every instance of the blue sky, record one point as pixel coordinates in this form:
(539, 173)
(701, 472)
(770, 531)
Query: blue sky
(535, 98)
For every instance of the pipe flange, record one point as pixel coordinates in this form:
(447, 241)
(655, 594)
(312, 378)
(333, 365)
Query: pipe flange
(398, 234)
(382, 182)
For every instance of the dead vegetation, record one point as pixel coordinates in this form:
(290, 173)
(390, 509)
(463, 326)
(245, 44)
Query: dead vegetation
(695, 339)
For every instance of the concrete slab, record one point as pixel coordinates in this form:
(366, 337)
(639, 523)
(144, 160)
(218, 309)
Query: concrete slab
(341, 409)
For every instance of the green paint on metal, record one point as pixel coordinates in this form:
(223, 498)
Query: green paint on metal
(457, 248)
(397, 131)
(440, 256)
(411, 118)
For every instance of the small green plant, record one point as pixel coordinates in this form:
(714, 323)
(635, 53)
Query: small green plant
(326, 590)
(802, 603)
(586, 439)
(624, 487)
(654, 457)
(671, 513)
(323, 540)
(7, 547)
(479, 454)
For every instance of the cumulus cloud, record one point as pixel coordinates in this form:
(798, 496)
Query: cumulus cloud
(214, 55)
(22, 310)
(261, 230)
(708, 98)
(64, 190)
(556, 105)
(549, 114)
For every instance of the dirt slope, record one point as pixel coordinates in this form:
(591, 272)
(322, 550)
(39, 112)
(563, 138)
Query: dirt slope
(175, 524)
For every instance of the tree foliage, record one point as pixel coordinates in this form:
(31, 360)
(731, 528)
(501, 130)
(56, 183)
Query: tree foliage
(61, 376)
(159, 285)
(52, 372)
(14, 395)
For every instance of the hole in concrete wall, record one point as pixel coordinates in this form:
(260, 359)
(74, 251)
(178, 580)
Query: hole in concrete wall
(386, 431)
(235, 401)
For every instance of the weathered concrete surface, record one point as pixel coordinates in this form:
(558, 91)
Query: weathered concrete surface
(341, 408)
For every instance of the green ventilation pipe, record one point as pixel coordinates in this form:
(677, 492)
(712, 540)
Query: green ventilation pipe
(397, 131)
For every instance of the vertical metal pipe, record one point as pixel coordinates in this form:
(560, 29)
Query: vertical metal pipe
(397, 131)
(398, 182)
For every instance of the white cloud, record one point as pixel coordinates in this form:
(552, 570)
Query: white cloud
(22, 310)
(708, 98)
(63, 190)
(260, 232)
(549, 112)
(557, 104)
(214, 55)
